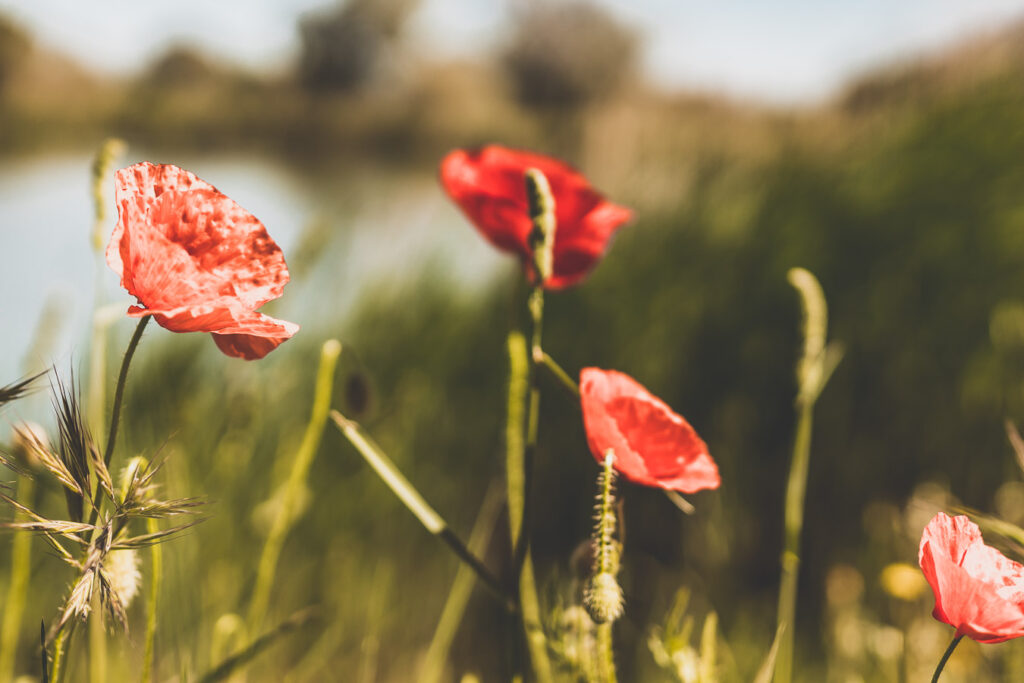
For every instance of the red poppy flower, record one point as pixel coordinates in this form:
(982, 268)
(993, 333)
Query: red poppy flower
(196, 261)
(978, 590)
(652, 444)
(488, 184)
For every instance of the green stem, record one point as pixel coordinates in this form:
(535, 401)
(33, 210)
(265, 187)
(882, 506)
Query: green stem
(97, 643)
(416, 504)
(295, 485)
(122, 377)
(606, 554)
(519, 371)
(945, 657)
(14, 605)
(794, 518)
(605, 654)
(115, 414)
(59, 651)
(813, 370)
(522, 543)
(155, 577)
(560, 374)
(525, 389)
(515, 428)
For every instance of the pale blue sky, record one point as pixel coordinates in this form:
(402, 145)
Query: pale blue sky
(783, 51)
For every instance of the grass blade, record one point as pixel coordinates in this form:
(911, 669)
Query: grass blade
(417, 505)
(295, 485)
(239, 659)
(432, 668)
(767, 670)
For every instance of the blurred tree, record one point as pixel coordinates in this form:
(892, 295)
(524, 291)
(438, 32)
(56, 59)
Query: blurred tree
(15, 45)
(180, 65)
(342, 48)
(567, 53)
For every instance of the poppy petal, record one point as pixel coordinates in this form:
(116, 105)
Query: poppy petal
(488, 184)
(978, 591)
(653, 445)
(193, 258)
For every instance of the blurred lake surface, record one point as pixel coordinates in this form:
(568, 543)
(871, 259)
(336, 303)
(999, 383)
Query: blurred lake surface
(347, 233)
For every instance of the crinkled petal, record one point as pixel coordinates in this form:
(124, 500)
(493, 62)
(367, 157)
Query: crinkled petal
(254, 338)
(194, 259)
(175, 229)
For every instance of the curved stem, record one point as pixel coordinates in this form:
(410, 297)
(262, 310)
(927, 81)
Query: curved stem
(945, 657)
(122, 377)
(115, 414)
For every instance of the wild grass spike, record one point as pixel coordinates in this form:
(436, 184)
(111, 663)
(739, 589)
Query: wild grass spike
(603, 596)
(15, 390)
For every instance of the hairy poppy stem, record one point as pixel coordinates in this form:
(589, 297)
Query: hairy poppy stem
(602, 596)
(415, 503)
(946, 655)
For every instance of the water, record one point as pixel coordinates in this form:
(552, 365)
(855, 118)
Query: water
(378, 228)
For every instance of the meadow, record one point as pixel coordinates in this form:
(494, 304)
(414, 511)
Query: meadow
(904, 197)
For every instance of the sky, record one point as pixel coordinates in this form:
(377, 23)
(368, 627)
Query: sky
(779, 51)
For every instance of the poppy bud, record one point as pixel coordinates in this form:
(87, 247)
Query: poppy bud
(603, 598)
(542, 213)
